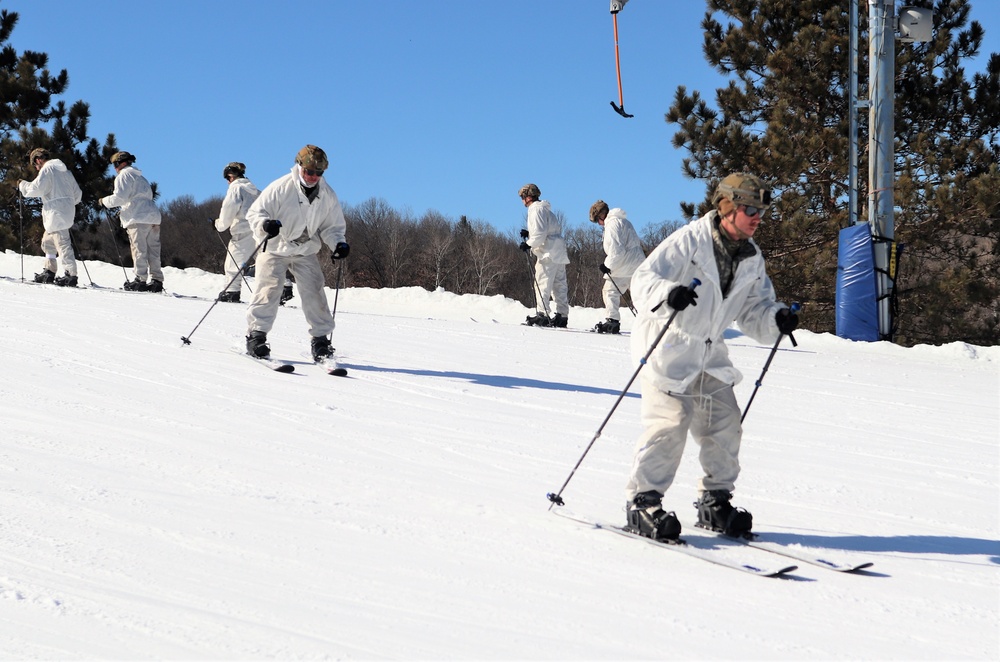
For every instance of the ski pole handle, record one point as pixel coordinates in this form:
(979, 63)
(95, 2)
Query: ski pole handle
(694, 283)
(795, 308)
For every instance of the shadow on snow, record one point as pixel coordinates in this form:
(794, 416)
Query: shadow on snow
(500, 381)
(922, 544)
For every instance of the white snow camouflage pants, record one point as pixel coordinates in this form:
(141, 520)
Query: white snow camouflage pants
(270, 281)
(551, 281)
(145, 241)
(709, 410)
(59, 243)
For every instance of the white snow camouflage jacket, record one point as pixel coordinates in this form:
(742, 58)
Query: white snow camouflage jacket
(135, 197)
(59, 192)
(545, 234)
(303, 225)
(233, 215)
(694, 342)
(621, 245)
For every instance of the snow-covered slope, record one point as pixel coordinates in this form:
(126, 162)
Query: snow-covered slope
(159, 500)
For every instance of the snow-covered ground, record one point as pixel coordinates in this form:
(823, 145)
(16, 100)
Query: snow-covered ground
(159, 500)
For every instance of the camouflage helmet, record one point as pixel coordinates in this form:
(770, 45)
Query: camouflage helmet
(529, 190)
(312, 157)
(122, 157)
(742, 188)
(234, 168)
(598, 210)
(38, 153)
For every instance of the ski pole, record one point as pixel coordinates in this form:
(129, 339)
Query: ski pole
(622, 295)
(620, 106)
(187, 339)
(111, 229)
(336, 292)
(77, 251)
(556, 498)
(20, 215)
(795, 307)
(230, 254)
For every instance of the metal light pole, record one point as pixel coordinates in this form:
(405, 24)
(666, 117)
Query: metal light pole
(867, 261)
(881, 152)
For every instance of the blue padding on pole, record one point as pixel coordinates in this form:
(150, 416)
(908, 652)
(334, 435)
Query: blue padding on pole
(857, 304)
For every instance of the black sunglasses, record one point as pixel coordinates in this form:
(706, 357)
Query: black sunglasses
(751, 211)
(313, 173)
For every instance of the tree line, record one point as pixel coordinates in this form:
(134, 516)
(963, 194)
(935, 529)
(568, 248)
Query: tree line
(389, 248)
(783, 115)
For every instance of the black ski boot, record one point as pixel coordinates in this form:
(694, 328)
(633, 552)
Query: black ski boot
(229, 297)
(560, 321)
(155, 286)
(608, 326)
(539, 319)
(286, 295)
(45, 277)
(321, 348)
(66, 281)
(715, 513)
(136, 285)
(257, 345)
(647, 518)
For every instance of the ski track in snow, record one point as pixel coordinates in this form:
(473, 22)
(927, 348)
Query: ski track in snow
(162, 500)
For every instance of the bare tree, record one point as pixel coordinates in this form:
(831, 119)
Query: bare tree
(402, 242)
(487, 261)
(438, 250)
(653, 234)
(188, 235)
(369, 225)
(586, 253)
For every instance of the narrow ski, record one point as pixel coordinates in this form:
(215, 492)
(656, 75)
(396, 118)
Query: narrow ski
(277, 366)
(683, 547)
(804, 555)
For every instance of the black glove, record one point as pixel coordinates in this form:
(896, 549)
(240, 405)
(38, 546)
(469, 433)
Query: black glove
(604, 268)
(787, 321)
(681, 297)
(524, 246)
(340, 251)
(524, 234)
(271, 228)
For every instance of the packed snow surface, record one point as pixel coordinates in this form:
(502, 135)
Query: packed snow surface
(172, 501)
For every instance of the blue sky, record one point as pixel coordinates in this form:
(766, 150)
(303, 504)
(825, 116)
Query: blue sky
(449, 105)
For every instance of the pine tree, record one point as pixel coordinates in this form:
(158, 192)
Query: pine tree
(784, 116)
(30, 117)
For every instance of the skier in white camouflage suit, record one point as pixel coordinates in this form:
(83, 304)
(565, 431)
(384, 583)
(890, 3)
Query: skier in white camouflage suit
(687, 383)
(297, 213)
(233, 217)
(140, 217)
(60, 195)
(624, 254)
(544, 238)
